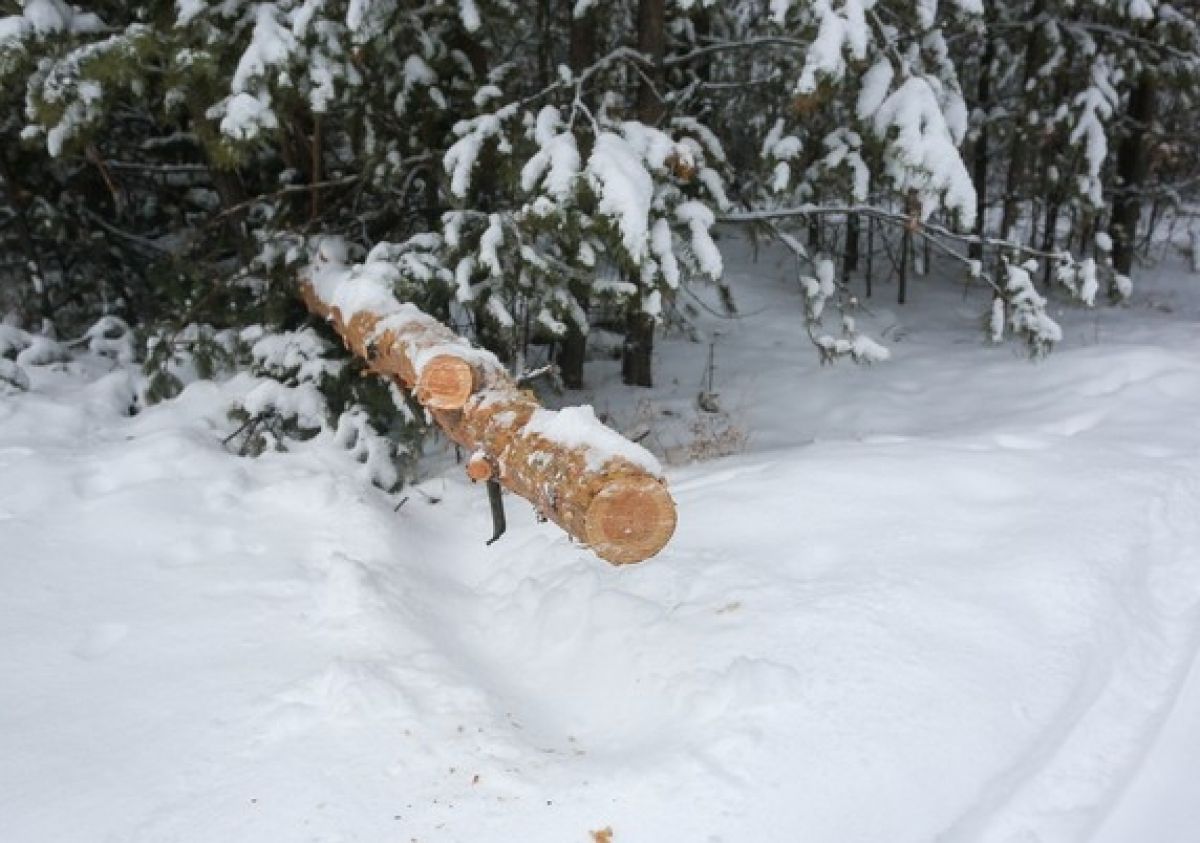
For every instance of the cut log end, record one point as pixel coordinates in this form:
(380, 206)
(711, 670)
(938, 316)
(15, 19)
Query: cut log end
(479, 468)
(630, 520)
(446, 383)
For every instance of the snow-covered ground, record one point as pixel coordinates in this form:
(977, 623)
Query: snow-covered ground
(954, 597)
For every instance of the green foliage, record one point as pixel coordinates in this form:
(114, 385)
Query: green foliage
(527, 172)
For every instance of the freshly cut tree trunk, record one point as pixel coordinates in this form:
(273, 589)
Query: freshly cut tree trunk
(602, 489)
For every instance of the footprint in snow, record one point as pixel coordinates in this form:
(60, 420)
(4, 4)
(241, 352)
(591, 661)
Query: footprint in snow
(100, 640)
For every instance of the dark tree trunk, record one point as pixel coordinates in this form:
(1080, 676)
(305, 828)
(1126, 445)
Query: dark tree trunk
(1133, 166)
(850, 259)
(703, 29)
(638, 350)
(545, 17)
(232, 191)
(572, 351)
(652, 43)
(983, 95)
(1049, 238)
(637, 354)
(1020, 150)
(870, 254)
(582, 48)
(33, 259)
(314, 208)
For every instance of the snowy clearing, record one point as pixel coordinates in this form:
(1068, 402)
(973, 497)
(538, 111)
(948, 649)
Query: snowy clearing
(952, 597)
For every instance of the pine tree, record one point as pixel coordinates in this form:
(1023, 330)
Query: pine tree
(528, 169)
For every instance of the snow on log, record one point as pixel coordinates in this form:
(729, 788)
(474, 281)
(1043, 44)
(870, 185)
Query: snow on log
(604, 490)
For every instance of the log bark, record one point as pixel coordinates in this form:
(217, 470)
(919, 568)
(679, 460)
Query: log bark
(600, 488)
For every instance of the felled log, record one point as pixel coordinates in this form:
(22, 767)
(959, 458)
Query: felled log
(602, 489)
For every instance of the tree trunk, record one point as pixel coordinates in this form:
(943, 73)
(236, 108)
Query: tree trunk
(572, 354)
(572, 351)
(33, 258)
(652, 43)
(1020, 151)
(1049, 238)
(598, 486)
(1133, 166)
(870, 254)
(983, 95)
(637, 353)
(850, 258)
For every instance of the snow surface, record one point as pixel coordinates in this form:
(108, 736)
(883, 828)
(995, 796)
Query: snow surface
(951, 597)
